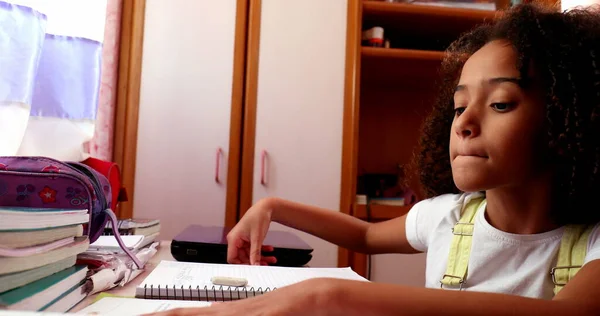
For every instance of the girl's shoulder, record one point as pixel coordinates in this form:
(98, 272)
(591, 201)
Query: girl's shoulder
(593, 247)
(446, 204)
(436, 213)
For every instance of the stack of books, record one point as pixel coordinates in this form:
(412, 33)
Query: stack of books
(146, 227)
(38, 251)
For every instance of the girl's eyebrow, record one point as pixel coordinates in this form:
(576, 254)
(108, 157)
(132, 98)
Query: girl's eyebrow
(517, 81)
(495, 81)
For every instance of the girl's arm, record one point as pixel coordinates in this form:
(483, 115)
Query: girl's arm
(342, 229)
(348, 298)
(579, 297)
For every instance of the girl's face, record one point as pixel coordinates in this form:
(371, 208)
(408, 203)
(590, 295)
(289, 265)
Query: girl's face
(497, 123)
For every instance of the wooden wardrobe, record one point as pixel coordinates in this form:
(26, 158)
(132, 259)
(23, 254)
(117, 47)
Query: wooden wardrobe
(239, 100)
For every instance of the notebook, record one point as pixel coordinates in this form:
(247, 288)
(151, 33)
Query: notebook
(18, 279)
(34, 250)
(20, 218)
(69, 299)
(192, 281)
(36, 295)
(136, 226)
(134, 223)
(16, 264)
(27, 238)
(146, 231)
(118, 306)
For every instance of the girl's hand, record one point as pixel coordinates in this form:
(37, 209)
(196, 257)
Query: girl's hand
(245, 240)
(311, 297)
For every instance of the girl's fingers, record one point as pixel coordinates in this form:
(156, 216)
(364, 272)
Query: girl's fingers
(269, 259)
(234, 261)
(267, 248)
(233, 246)
(243, 255)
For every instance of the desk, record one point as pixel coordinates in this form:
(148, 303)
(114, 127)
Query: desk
(164, 253)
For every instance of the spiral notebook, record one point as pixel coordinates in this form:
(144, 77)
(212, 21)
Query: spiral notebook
(192, 281)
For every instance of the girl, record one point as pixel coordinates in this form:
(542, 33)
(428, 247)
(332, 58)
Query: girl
(516, 133)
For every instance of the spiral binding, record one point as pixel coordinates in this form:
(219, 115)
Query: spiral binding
(211, 294)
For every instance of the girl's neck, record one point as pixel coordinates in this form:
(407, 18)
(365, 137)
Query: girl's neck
(525, 209)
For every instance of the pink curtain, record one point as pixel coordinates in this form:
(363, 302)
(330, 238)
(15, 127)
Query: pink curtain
(101, 146)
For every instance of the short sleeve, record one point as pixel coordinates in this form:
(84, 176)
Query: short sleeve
(593, 252)
(426, 215)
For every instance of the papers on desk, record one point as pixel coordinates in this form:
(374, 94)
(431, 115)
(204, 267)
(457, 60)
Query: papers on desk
(132, 242)
(114, 269)
(111, 266)
(131, 306)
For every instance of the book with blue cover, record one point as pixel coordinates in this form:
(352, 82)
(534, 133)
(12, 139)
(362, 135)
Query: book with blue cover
(36, 295)
(14, 280)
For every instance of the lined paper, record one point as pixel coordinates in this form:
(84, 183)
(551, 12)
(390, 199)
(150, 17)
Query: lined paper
(176, 279)
(130, 306)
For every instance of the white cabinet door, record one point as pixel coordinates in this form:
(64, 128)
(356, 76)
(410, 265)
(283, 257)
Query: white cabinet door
(300, 107)
(184, 118)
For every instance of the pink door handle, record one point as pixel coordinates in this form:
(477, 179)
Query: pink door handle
(263, 168)
(218, 166)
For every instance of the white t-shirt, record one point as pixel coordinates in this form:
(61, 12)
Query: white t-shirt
(500, 262)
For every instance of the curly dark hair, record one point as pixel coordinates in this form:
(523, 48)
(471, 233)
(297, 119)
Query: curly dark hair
(564, 50)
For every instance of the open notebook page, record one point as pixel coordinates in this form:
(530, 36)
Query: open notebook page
(186, 274)
(118, 306)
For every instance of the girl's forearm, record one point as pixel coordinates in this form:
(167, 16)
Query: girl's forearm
(360, 298)
(333, 226)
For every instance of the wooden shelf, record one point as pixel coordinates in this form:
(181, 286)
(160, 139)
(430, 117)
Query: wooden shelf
(423, 20)
(379, 212)
(395, 67)
(398, 53)
(407, 10)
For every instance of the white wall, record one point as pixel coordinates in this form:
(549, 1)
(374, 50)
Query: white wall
(570, 4)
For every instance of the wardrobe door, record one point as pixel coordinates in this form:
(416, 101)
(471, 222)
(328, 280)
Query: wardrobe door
(185, 113)
(299, 107)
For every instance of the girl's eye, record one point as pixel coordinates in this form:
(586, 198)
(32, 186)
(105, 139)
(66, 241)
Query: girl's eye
(459, 111)
(502, 107)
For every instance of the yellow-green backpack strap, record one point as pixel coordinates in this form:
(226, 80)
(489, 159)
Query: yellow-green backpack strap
(460, 248)
(571, 254)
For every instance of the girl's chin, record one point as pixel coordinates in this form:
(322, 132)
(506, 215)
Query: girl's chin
(470, 184)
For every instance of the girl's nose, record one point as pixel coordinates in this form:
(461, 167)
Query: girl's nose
(467, 125)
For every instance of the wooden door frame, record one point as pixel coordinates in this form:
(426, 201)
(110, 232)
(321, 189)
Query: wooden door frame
(128, 101)
(237, 107)
(249, 125)
(128, 97)
(350, 127)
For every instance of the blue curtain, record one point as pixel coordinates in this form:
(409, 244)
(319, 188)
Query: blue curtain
(50, 58)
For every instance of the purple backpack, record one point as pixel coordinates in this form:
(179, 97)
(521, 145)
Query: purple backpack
(48, 183)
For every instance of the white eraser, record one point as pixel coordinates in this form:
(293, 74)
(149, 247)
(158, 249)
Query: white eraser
(229, 281)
